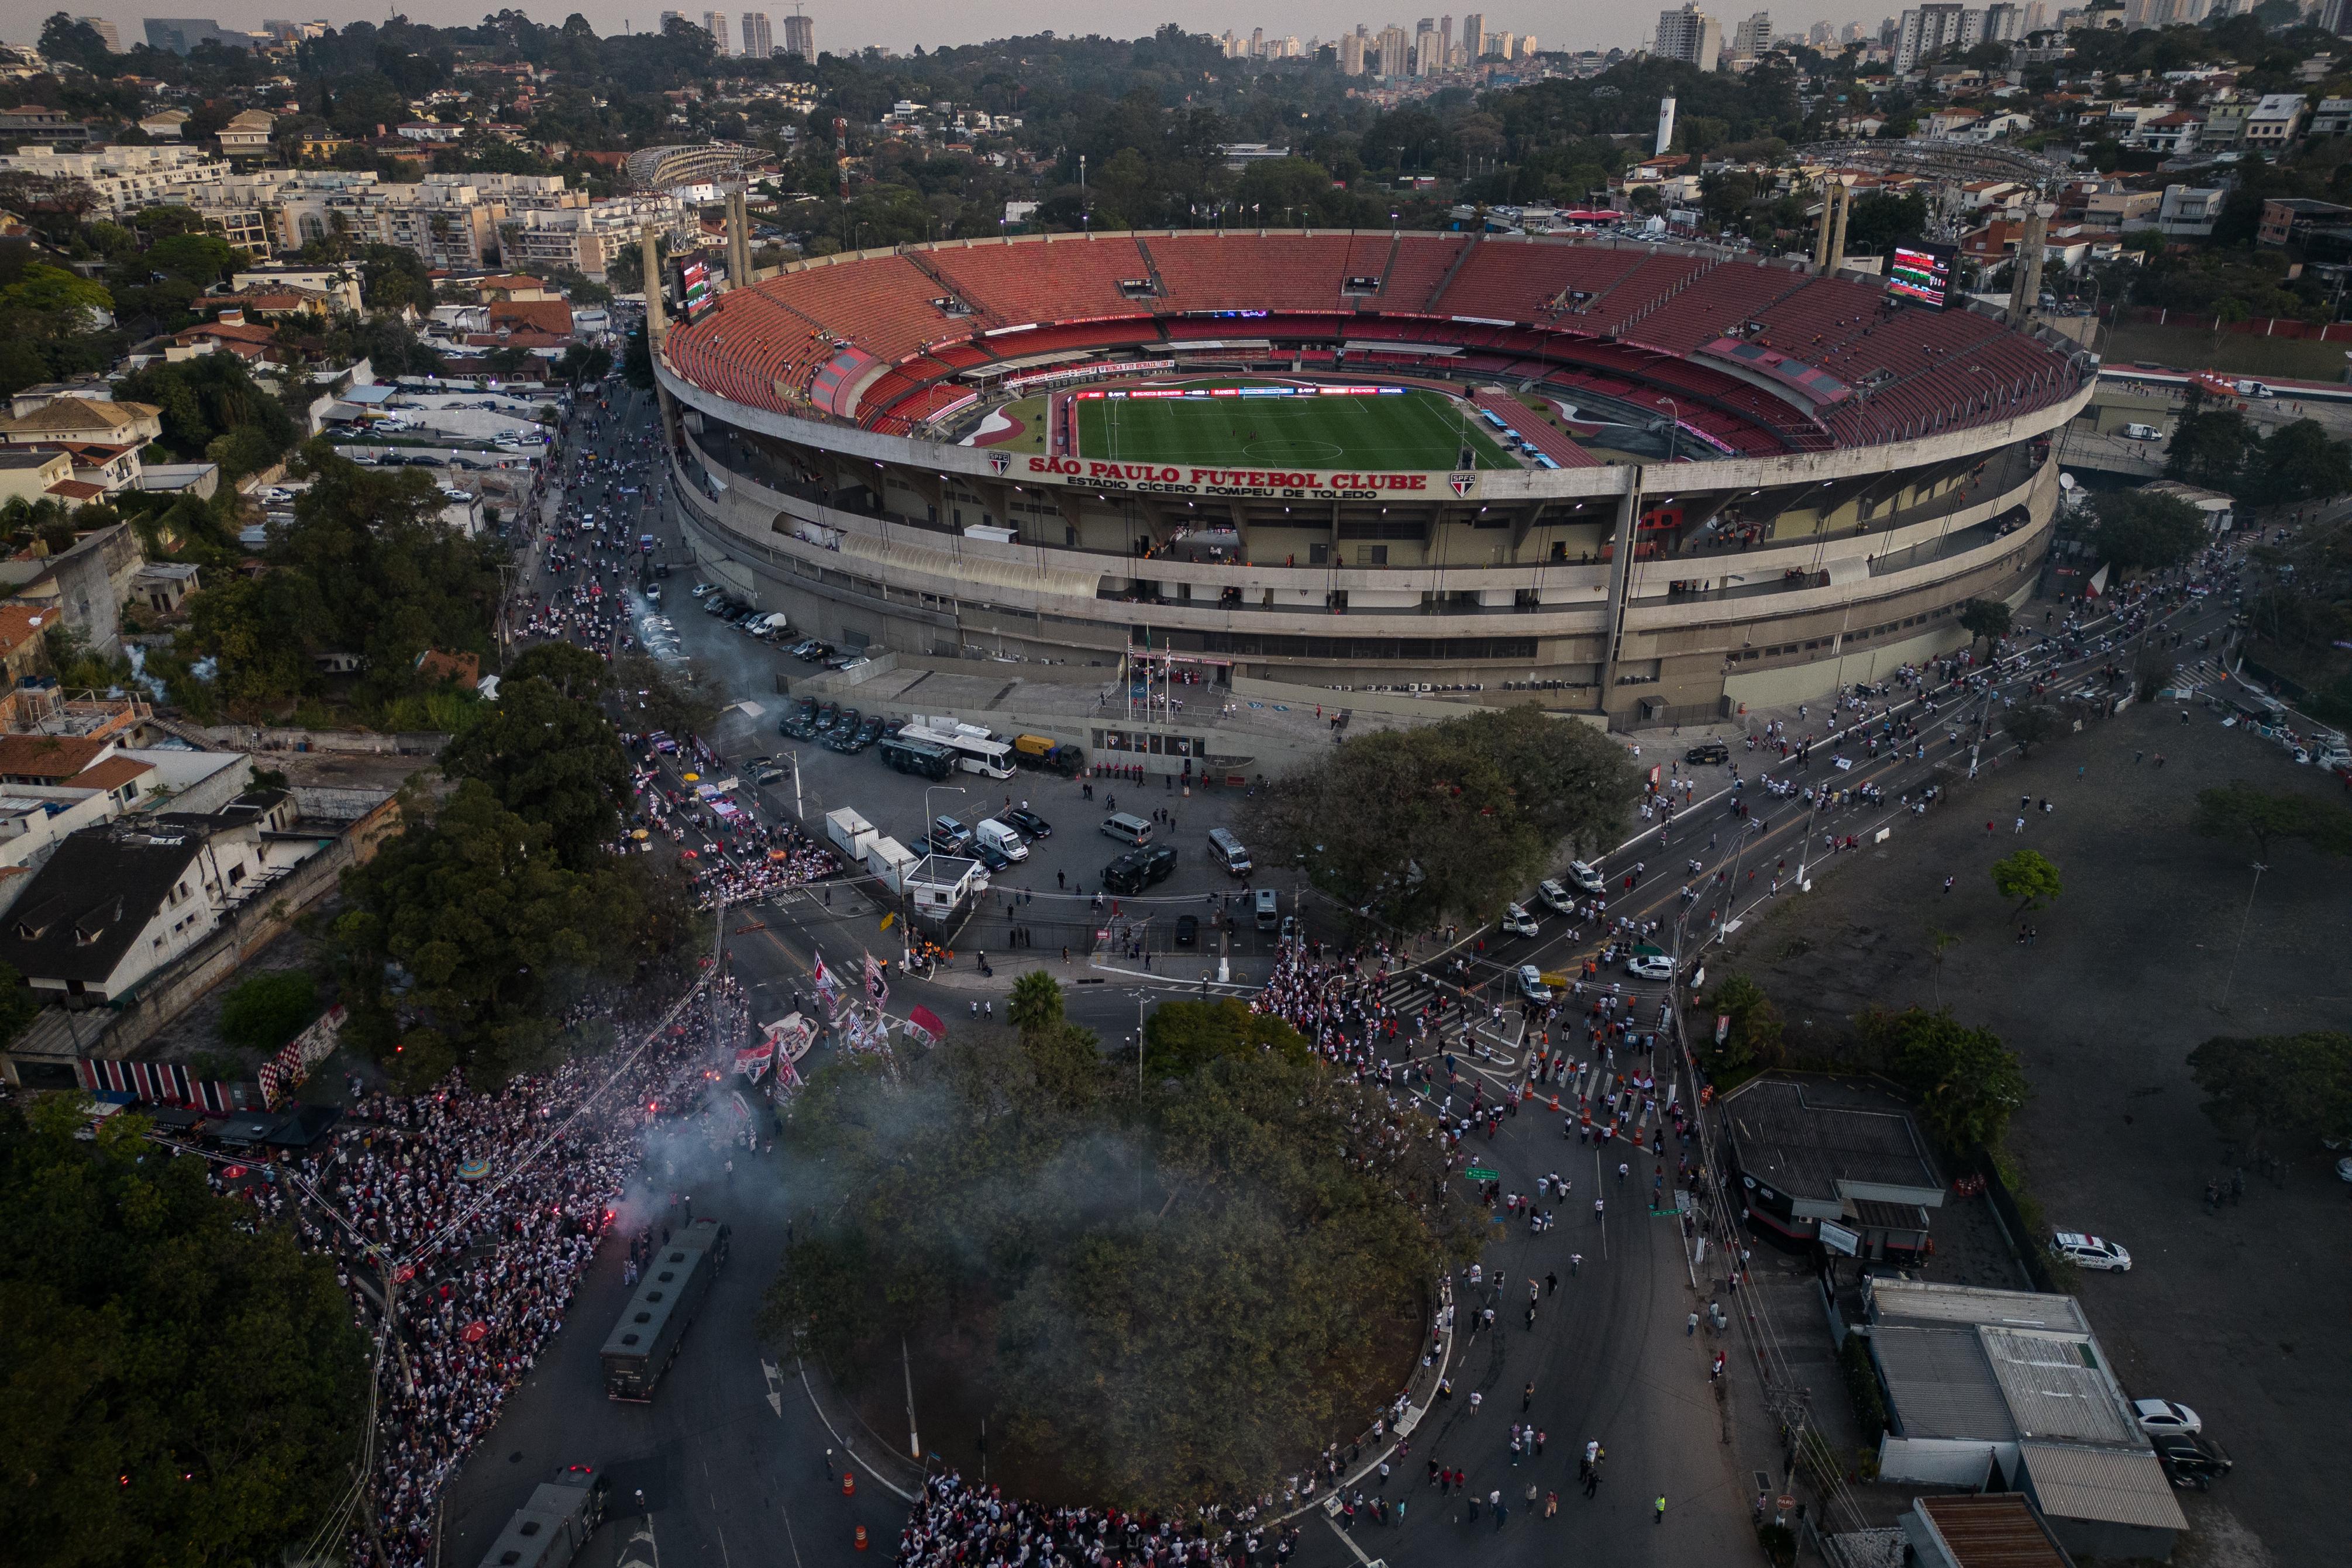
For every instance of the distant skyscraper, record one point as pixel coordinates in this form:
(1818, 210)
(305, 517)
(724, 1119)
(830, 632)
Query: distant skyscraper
(714, 24)
(1351, 54)
(1473, 36)
(1691, 36)
(1424, 47)
(2037, 17)
(1396, 51)
(1753, 36)
(105, 30)
(1445, 41)
(800, 38)
(758, 43)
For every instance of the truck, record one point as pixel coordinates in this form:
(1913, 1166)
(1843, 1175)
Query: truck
(891, 860)
(549, 1530)
(646, 1340)
(1037, 751)
(850, 834)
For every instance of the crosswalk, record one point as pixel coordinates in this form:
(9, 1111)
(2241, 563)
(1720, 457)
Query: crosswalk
(2191, 678)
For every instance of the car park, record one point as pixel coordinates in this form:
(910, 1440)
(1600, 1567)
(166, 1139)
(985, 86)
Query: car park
(2191, 1461)
(2090, 1252)
(1029, 822)
(1517, 922)
(1530, 983)
(1587, 877)
(1556, 898)
(1708, 751)
(1650, 967)
(2163, 1416)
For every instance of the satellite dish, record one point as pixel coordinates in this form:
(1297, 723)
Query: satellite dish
(2065, 481)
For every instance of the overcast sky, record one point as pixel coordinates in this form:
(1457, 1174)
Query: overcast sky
(903, 24)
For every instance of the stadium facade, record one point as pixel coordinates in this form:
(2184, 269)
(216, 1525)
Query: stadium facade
(1739, 482)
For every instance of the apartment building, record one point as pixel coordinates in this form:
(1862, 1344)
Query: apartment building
(1690, 35)
(127, 180)
(799, 36)
(589, 237)
(759, 42)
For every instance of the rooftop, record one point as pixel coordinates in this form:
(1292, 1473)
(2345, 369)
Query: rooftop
(2113, 1485)
(1998, 1530)
(1918, 1304)
(1819, 1135)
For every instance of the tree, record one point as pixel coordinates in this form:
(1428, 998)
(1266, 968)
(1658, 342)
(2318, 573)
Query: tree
(2137, 531)
(471, 926)
(1753, 1034)
(1446, 820)
(2027, 876)
(67, 37)
(2263, 817)
(1940, 943)
(263, 1013)
(2030, 724)
(2209, 447)
(1986, 620)
(1035, 1002)
(2280, 1090)
(552, 760)
(1967, 1082)
(674, 699)
(182, 1384)
(571, 670)
(2299, 462)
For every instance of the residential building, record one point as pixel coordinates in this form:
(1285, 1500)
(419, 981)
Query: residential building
(1691, 36)
(34, 122)
(2288, 220)
(120, 900)
(1928, 28)
(2120, 208)
(1396, 51)
(247, 134)
(589, 237)
(337, 285)
(800, 38)
(2004, 22)
(2274, 121)
(2225, 124)
(757, 42)
(1425, 48)
(714, 24)
(165, 125)
(1753, 36)
(2174, 134)
(28, 474)
(86, 584)
(1474, 36)
(1834, 1159)
(105, 31)
(2189, 212)
(1351, 54)
(181, 35)
(127, 180)
(2332, 117)
(2003, 1530)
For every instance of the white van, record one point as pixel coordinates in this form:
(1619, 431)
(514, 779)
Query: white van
(1001, 839)
(1230, 851)
(2142, 432)
(1126, 829)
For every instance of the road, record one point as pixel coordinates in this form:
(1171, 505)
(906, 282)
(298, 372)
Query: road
(731, 1456)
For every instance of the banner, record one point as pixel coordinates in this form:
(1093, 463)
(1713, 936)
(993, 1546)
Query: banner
(752, 1061)
(286, 1071)
(828, 990)
(926, 1022)
(877, 988)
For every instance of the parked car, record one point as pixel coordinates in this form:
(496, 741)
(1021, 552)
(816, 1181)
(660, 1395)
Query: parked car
(989, 855)
(1650, 967)
(1029, 822)
(1556, 898)
(1517, 922)
(1587, 877)
(2158, 1415)
(1188, 930)
(2191, 1461)
(2090, 1252)
(869, 732)
(1531, 982)
(1708, 751)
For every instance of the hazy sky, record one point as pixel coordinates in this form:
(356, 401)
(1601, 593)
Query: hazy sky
(903, 24)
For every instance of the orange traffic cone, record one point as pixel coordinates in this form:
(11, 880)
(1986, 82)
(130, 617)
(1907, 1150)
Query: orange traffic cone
(1555, 1099)
(849, 1482)
(861, 1538)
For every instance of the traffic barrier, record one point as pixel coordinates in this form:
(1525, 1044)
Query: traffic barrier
(861, 1538)
(849, 1482)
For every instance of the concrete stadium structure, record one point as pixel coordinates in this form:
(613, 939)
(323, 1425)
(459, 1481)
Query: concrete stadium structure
(1757, 480)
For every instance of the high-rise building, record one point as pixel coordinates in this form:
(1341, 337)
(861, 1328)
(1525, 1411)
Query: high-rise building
(1474, 36)
(1752, 37)
(2004, 22)
(1928, 28)
(714, 24)
(800, 38)
(1424, 47)
(758, 43)
(2037, 17)
(1445, 41)
(1691, 36)
(105, 30)
(181, 34)
(1526, 46)
(1396, 52)
(666, 19)
(1351, 54)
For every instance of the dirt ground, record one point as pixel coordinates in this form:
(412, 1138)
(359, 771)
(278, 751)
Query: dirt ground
(2237, 1313)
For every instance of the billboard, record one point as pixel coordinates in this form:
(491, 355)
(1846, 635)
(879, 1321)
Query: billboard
(696, 290)
(1923, 272)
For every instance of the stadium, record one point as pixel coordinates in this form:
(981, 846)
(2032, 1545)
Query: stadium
(1645, 480)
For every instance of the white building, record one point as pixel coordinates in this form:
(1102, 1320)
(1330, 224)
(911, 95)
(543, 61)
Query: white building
(128, 179)
(1690, 35)
(1928, 28)
(714, 24)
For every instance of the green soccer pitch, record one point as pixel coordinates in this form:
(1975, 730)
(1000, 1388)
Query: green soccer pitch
(1414, 430)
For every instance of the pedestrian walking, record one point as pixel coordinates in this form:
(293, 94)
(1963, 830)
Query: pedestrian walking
(1659, 1515)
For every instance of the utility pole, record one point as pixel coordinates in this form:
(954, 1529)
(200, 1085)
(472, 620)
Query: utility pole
(2236, 953)
(914, 1439)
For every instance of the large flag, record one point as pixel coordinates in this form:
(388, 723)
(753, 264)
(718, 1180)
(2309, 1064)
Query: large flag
(828, 990)
(752, 1061)
(878, 990)
(926, 1022)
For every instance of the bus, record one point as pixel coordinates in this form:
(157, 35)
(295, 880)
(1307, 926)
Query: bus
(974, 749)
(646, 1340)
(921, 758)
(549, 1530)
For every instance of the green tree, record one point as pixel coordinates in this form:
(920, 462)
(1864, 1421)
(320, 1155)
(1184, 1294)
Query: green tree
(1449, 820)
(2209, 447)
(202, 259)
(571, 670)
(263, 1013)
(182, 1385)
(1986, 620)
(1967, 1082)
(1035, 1002)
(2299, 462)
(2027, 876)
(1753, 1035)
(675, 698)
(551, 759)
(2137, 531)
(2030, 724)
(2280, 1090)
(2266, 817)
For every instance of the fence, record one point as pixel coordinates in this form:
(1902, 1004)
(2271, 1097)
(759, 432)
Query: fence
(164, 1083)
(2255, 327)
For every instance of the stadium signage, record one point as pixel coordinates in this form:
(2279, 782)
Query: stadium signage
(1281, 484)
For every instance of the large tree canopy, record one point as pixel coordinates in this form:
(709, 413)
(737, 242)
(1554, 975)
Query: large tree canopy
(1448, 820)
(1189, 1284)
(175, 1386)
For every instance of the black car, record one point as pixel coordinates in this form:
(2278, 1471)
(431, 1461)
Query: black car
(847, 721)
(825, 716)
(869, 732)
(798, 727)
(2190, 1459)
(1138, 869)
(806, 709)
(1708, 751)
(1188, 928)
(1030, 824)
(815, 652)
(989, 855)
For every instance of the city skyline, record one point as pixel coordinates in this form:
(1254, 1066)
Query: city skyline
(902, 24)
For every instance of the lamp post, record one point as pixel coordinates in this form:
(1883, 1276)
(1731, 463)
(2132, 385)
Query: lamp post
(2235, 953)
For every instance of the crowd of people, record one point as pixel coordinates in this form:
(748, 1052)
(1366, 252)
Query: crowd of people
(961, 1524)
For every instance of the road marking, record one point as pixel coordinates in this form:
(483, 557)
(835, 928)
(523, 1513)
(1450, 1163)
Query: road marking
(1346, 1539)
(775, 1398)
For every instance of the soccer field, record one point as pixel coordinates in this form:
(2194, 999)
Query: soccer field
(1413, 430)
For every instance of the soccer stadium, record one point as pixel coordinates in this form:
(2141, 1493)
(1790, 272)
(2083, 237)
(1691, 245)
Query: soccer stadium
(1646, 480)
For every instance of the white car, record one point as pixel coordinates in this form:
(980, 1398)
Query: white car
(1517, 922)
(1530, 981)
(2161, 1416)
(1558, 898)
(1650, 966)
(1587, 877)
(2090, 1252)
(274, 492)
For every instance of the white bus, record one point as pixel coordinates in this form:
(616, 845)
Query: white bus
(975, 750)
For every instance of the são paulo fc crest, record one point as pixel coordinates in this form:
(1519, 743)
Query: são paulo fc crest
(999, 461)
(1463, 483)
